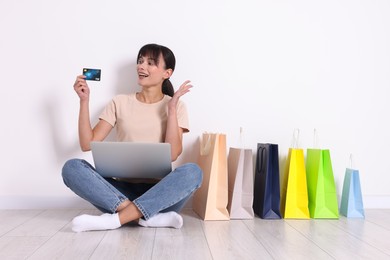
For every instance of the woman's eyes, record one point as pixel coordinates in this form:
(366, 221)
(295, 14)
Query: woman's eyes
(150, 62)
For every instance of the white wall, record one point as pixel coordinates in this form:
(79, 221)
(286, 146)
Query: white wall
(266, 66)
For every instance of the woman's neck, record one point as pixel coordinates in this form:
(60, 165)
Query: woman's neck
(149, 96)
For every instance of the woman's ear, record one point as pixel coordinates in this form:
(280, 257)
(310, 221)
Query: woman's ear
(168, 73)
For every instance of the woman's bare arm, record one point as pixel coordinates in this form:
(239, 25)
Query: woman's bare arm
(86, 132)
(174, 134)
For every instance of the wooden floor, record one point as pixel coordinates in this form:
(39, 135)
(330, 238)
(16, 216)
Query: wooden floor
(46, 234)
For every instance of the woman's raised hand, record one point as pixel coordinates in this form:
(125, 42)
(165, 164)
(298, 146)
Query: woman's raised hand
(183, 89)
(81, 88)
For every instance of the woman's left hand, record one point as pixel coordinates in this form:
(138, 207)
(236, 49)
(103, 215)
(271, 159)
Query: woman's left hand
(183, 89)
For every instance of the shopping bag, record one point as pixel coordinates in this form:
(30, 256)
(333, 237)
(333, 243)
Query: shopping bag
(240, 181)
(321, 185)
(266, 201)
(294, 203)
(351, 198)
(211, 199)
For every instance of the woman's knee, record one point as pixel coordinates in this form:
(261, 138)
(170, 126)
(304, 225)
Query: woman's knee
(71, 169)
(194, 172)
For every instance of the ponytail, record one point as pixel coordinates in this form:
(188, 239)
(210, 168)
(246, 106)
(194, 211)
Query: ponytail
(167, 88)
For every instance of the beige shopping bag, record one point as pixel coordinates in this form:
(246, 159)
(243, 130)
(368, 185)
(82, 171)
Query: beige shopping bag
(211, 199)
(240, 172)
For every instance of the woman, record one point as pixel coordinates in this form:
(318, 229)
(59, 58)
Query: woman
(155, 114)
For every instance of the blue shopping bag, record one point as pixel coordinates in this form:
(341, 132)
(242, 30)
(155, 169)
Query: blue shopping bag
(351, 199)
(266, 202)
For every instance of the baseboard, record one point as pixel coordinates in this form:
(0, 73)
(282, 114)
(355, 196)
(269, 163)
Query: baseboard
(37, 202)
(65, 202)
(376, 202)
(74, 202)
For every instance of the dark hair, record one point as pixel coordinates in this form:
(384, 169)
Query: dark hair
(153, 51)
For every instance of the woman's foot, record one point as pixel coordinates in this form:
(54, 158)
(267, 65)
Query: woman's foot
(89, 222)
(168, 219)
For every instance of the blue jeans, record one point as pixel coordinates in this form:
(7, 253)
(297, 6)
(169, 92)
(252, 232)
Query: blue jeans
(169, 194)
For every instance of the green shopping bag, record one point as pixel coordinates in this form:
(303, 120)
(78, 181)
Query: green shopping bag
(321, 185)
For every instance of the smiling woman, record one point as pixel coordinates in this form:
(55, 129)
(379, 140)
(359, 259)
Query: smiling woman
(154, 114)
(148, 64)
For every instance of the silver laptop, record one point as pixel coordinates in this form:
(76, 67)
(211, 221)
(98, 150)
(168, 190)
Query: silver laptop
(132, 160)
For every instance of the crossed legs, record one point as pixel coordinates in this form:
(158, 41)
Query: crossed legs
(82, 178)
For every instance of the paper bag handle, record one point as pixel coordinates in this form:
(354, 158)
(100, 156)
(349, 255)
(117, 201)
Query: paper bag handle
(351, 161)
(260, 159)
(316, 139)
(241, 137)
(205, 145)
(295, 139)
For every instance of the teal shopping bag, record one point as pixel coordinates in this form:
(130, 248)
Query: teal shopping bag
(351, 199)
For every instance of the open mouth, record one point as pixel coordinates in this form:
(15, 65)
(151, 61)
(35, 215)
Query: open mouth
(142, 75)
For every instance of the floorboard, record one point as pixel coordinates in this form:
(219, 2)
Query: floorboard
(66, 244)
(46, 223)
(335, 241)
(233, 240)
(368, 232)
(187, 243)
(282, 241)
(47, 234)
(10, 219)
(128, 242)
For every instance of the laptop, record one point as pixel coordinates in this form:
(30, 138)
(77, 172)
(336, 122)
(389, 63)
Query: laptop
(132, 160)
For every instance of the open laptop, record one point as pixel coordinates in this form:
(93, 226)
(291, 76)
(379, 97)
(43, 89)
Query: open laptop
(132, 160)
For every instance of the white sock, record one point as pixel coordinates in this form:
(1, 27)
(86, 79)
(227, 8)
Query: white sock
(168, 219)
(89, 222)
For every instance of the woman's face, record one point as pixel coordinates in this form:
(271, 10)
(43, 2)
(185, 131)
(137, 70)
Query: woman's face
(151, 72)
